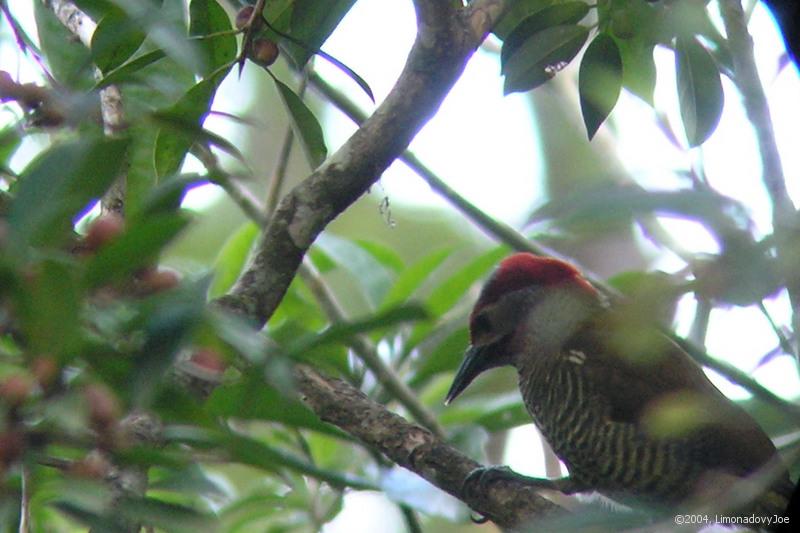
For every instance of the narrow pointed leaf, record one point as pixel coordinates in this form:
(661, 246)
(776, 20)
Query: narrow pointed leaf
(207, 17)
(305, 124)
(699, 90)
(115, 40)
(541, 56)
(599, 81)
(557, 15)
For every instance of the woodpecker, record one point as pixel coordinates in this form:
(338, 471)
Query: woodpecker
(626, 409)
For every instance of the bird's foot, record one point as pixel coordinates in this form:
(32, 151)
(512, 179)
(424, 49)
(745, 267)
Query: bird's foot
(479, 480)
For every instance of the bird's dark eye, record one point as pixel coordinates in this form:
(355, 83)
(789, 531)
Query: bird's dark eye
(481, 325)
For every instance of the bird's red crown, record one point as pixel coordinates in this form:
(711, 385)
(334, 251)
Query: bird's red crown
(525, 270)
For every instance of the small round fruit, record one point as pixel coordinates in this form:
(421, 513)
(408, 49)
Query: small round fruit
(243, 17)
(103, 230)
(263, 52)
(104, 408)
(158, 280)
(209, 360)
(15, 389)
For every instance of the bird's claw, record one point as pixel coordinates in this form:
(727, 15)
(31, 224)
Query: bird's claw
(479, 480)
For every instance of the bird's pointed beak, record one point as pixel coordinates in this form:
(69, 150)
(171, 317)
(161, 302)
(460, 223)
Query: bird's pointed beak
(473, 364)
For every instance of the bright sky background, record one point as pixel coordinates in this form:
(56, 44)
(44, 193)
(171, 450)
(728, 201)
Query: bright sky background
(374, 39)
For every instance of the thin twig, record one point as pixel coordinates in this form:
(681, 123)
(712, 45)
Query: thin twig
(366, 351)
(513, 238)
(784, 215)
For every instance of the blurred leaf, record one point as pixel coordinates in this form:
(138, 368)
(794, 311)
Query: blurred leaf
(115, 40)
(136, 247)
(232, 257)
(207, 17)
(541, 56)
(312, 22)
(598, 204)
(515, 13)
(638, 68)
(255, 453)
(169, 516)
(344, 331)
(58, 183)
(169, 319)
(495, 413)
(50, 308)
(10, 140)
(566, 13)
(124, 72)
(451, 290)
(409, 489)
(164, 23)
(168, 195)
(445, 356)
(176, 136)
(88, 517)
(305, 124)
(182, 125)
(599, 81)
(251, 398)
(70, 61)
(699, 90)
(192, 479)
(366, 270)
(412, 277)
(384, 254)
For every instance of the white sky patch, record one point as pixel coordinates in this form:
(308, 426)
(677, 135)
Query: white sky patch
(481, 143)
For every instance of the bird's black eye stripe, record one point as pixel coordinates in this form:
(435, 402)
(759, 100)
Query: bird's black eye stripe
(481, 325)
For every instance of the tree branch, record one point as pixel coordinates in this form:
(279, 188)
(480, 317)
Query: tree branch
(437, 58)
(507, 503)
(83, 27)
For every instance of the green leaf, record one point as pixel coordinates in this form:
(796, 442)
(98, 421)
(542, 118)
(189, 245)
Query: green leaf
(135, 248)
(412, 277)
(167, 196)
(50, 307)
(305, 124)
(69, 60)
(183, 122)
(541, 56)
(557, 15)
(187, 130)
(10, 140)
(516, 12)
(383, 254)
(451, 290)
(232, 257)
(599, 81)
(495, 414)
(124, 72)
(369, 273)
(638, 68)
(166, 516)
(115, 40)
(252, 452)
(445, 356)
(699, 89)
(207, 17)
(59, 183)
(252, 398)
(599, 204)
(312, 22)
(344, 331)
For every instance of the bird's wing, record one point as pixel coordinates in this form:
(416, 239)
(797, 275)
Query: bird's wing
(645, 379)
